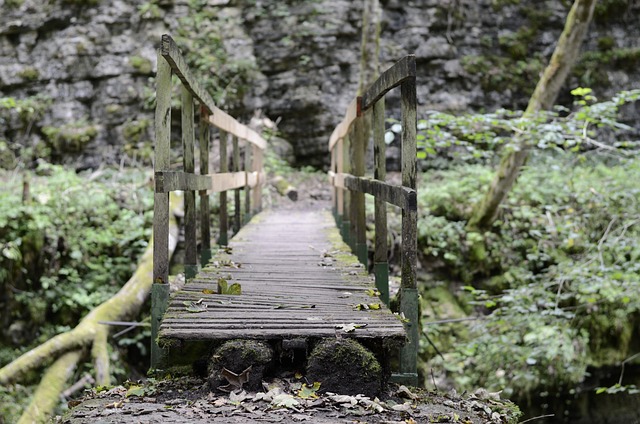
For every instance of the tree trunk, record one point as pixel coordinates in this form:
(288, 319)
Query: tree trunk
(543, 98)
(370, 44)
(89, 332)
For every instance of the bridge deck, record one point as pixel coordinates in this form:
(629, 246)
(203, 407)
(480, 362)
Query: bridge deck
(297, 279)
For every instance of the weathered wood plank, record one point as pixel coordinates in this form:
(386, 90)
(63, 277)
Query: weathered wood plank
(403, 70)
(409, 294)
(188, 163)
(353, 111)
(161, 163)
(380, 254)
(237, 212)
(172, 55)
(228, 123)
(360, 218)
(223, 239)
(280, 298)
(160, 285)
(400, 196)
(227, 181)
(205, 223)
(167, 181)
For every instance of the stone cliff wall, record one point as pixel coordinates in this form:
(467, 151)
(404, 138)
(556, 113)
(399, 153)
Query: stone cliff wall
(91, 64)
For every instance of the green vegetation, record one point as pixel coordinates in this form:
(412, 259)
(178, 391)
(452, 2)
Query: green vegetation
(141, 64)
(70, 138)
(29, 74)
(552, 281)
(200, 36)
(68, 246)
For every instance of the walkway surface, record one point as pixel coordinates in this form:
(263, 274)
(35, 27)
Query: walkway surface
(297, 279)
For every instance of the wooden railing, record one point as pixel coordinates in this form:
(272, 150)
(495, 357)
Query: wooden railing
(248, 176)
(348, 146)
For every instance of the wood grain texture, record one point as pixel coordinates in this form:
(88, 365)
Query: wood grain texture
(172, 55)
(188, 164)
(161, 163)
(292, 286)
(401, 71)
(205, 223)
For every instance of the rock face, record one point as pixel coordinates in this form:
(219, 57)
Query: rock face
(91, 63)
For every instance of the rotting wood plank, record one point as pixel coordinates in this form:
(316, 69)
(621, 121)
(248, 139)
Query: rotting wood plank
(285, 296)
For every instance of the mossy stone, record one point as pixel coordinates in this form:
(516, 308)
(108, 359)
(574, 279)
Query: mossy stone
(238, 355)
(345, 366)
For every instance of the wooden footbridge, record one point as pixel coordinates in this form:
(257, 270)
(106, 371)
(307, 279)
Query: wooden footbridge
(286, 276)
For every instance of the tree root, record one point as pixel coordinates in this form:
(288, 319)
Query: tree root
(89, 333)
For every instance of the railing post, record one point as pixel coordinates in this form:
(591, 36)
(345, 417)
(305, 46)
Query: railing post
(247, 189)
(205, 222)
(339, 151)
(160, 287)
(346, 164)
(257, 167)
(359, 213)
(408, 288)
(380, 255)
(237, 208)
(188, 162)
(223, 239)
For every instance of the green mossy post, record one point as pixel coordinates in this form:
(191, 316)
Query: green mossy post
(161, 204)
(408, 288)
(380, 255)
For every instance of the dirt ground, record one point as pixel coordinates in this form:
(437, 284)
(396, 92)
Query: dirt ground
(283, 400)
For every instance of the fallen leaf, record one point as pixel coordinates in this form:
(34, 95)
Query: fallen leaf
(237, 398)
(373, 292)
(284, 401)
(235, 380)
(404, 392)
(208, 291)
(403, 407)
(351, 327)
(308, 392)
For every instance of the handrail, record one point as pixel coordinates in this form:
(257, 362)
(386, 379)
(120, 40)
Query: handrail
(347, 145)
(248, 176)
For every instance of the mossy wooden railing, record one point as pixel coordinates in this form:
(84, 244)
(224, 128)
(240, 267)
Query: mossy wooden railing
(248, 176)
(347, 145)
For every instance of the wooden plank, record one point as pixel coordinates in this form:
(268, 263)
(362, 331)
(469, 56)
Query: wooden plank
(188, 163)
(342, 129)
(400, 196)
(256, 196)
(401, 71)
(282, 298)
(229, 124)
(171, 53)
(161, 163)
(224, 167)
(409, 295)
(205, 223)
(227, 181)
(167, 181)
(250, 177)
(380, 254)
(236, 194)
(360, 218)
